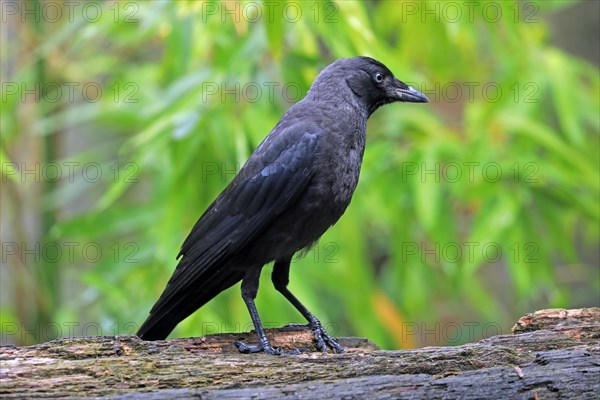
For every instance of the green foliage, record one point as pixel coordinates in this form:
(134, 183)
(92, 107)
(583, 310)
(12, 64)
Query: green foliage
(470, 211)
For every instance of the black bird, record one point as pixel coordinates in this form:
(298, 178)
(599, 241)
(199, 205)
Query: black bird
(296, 184)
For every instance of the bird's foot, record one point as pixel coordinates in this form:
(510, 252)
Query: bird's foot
(323, 339)
(257, 348)
(267, 349)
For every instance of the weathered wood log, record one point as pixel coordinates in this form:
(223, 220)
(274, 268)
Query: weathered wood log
(553, 354)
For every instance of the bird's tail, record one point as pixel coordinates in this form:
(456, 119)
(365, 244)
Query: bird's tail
(174, 306)
(157, 328)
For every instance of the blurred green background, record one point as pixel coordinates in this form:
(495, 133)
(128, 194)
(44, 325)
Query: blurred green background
(121, 121)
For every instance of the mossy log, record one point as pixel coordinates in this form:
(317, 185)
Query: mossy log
(552, 354)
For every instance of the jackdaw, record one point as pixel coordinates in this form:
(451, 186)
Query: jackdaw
(296, 184)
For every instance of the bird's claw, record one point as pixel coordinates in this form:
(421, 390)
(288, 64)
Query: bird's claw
(323, 339)
(257, 348)
(268, 349)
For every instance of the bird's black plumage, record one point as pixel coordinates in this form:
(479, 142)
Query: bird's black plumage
(296, 184)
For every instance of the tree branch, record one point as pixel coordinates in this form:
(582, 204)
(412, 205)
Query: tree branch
(552, 354)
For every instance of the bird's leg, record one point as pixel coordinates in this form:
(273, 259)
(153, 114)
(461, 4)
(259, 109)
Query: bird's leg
(280, 278)
(249, 290)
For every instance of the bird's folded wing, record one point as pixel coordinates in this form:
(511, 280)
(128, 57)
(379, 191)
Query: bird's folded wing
(263, 189)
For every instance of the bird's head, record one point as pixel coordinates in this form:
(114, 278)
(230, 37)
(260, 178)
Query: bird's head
(371, 82)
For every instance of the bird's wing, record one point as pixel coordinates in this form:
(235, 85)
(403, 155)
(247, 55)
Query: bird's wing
(264, 188)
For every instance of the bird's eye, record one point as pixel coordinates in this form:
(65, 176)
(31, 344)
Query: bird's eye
(378, 78)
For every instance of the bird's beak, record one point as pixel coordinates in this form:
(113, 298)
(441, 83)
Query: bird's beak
(409, 94)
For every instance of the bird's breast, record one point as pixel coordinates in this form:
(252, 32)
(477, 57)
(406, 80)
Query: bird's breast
(338, 169)
(334, 177)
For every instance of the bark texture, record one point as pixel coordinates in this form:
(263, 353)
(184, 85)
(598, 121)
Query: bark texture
(552, 354)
